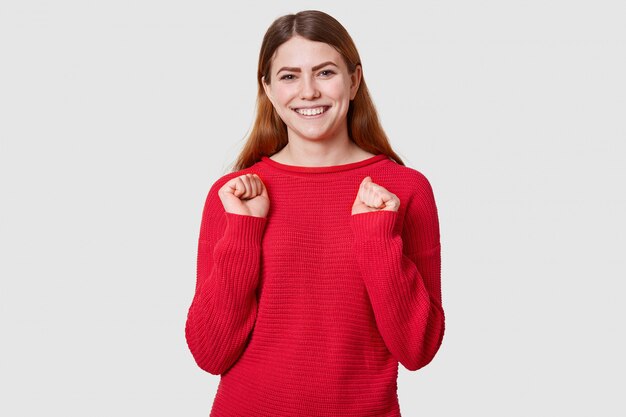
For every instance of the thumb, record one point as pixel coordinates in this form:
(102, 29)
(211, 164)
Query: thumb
(366, 180)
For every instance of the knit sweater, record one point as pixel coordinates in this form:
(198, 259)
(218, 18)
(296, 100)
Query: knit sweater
(308, 311)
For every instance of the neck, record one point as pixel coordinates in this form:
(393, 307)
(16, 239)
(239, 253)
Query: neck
(320, 152)
(317, 154)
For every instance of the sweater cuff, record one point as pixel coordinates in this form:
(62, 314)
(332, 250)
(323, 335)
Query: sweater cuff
(374, 225)
(245, 228)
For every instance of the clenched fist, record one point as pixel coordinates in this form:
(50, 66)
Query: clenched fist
(245, 195)
(373, 197)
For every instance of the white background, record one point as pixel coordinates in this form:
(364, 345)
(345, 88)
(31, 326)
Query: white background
(117, 116)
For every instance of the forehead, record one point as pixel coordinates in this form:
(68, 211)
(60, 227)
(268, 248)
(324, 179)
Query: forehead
(301, 52)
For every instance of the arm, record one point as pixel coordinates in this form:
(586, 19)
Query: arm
(223, 311)
(402, 274)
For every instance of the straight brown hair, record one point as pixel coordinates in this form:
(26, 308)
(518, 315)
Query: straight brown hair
(269, 133)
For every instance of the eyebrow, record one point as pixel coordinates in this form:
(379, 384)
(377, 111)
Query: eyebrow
(315, 68)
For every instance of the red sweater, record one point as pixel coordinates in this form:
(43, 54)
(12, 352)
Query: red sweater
(309, 311)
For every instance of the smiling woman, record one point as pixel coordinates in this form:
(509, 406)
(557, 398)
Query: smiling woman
(319, 256)
(308, 61)
(312, 99)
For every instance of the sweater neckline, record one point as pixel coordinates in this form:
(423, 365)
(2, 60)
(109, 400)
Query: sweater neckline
(323, 169)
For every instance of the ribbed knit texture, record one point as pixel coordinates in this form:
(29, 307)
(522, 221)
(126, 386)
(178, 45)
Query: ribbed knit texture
(309, 311)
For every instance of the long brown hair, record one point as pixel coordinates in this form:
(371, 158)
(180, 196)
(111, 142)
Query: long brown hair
(269, 132)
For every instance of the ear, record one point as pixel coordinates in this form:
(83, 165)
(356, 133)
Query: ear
(355, 81)
(267, 89)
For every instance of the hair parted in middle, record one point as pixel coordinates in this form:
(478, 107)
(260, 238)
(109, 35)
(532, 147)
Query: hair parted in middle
(269, 133)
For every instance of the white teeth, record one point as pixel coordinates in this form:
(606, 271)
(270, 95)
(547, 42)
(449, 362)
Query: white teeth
(311, 112)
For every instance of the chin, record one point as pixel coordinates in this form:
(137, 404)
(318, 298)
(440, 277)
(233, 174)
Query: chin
(312, 134)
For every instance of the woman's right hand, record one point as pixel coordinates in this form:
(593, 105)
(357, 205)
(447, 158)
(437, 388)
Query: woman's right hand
(245, 195)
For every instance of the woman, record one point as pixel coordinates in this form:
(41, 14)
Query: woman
(319, 256)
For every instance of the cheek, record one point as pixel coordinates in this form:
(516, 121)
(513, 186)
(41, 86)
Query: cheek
(284, 95)
(339, 90)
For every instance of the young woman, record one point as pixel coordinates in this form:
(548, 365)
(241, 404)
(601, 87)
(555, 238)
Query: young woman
(319, 256)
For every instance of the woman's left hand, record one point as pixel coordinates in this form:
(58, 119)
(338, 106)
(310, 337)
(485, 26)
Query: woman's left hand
(373, 197)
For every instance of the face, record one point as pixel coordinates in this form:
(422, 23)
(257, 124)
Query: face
(311, 88)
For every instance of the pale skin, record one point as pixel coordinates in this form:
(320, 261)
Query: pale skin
(312, 75)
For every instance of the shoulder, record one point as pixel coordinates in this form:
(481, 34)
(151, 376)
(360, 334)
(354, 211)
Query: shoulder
(420, 213)
(409, 181)
(418, 208)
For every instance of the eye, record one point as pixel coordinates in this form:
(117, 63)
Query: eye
(327, 72)
(284, 77)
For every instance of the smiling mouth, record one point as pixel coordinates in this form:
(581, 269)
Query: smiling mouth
(312, 112)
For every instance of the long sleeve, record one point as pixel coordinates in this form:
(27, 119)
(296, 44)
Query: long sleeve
(401, 267)
(223, 311)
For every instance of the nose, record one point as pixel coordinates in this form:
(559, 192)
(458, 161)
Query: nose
(309, 89)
